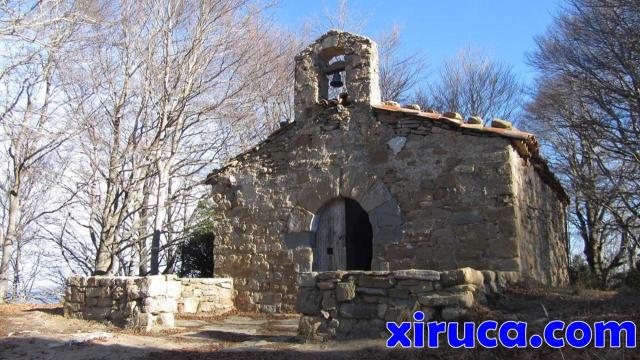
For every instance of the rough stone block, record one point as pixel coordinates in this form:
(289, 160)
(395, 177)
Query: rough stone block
(461, 276)
(359, 311)
(375, 196)
(303, 258)
(375, 281)
(104, 302)
(77, 296)
(72, 307)
(97, 292)
(208, 307)
(166, 320)
(328, 300)
(308, 301)
(269, 309)
(331, 275)
(154, 285)
(131, 309)
(462, 299)
(387, 235)
(160, 304)
(345, 291)
(76, 281)
(308, 326)
(133, 291)
(174, 289)
(117, 292)
(326, 285)
(402, 293)
(371, 291)
(413, 274)
(386, 215)
(190, 305)
(145, 321)
(503, 278)
(501, 124)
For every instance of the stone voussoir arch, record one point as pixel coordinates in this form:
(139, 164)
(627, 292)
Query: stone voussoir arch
(374, 197)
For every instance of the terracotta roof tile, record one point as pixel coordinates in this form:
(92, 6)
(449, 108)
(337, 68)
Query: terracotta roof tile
(513, 134)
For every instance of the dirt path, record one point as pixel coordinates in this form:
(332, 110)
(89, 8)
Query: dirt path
(40, 332)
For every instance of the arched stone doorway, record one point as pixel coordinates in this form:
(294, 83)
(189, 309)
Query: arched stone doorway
(344, 237)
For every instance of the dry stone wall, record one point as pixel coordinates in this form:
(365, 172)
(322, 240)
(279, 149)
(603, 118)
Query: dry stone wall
(145, 302)
(349, 304)
(540, 226)
(206, 295)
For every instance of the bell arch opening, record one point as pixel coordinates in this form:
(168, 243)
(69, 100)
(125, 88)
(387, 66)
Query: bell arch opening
(344, 237)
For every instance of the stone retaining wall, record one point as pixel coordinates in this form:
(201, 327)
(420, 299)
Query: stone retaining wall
(348, 304)
(145, 302)
(206, 295)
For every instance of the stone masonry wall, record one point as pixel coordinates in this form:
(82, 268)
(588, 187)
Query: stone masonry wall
(438, 196)
(442, 200)
(206, 295)
(349, 304)
(540, 220)
(144, 302)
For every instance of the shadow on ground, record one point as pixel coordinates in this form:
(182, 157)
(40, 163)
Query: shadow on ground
(43, 349)
(42, 333)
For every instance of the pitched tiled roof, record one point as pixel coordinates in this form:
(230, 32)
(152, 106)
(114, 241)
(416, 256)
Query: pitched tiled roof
(524, 143)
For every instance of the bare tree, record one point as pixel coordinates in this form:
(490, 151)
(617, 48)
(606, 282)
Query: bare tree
(594, 45)
(474, 84)
(33, 126)
(399, 75)
(164, 98)
(587, 101)
(607, 232)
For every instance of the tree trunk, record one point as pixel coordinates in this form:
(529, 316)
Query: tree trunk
(16, 271)
(143, 251)
(10, 238)
(160, 213)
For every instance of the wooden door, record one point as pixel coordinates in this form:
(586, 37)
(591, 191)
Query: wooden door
(331, 250)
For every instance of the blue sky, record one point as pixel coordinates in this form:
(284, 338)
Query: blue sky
(502, 28)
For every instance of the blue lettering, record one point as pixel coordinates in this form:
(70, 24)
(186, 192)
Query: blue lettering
(549, 334)
(615, 333)
(418, 329)
(520, 339)
(398, 334)
(574, 341)
(435, 328)
(468, 339)
(483, 334)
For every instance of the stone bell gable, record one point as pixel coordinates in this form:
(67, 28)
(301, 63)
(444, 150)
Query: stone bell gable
(363, 185)
(357, 58)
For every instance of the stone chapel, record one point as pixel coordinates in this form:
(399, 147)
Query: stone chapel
(355, 183)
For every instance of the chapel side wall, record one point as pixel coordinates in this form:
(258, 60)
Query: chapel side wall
(454, 189)
(540, 217)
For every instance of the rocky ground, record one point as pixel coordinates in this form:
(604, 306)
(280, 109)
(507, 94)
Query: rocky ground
(40, 332)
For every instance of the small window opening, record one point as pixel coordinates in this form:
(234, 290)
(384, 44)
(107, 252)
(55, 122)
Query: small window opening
(336, 77)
